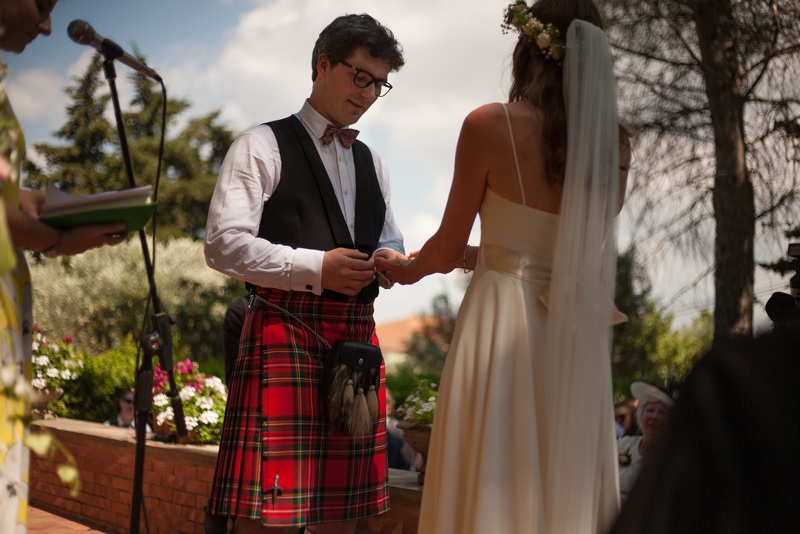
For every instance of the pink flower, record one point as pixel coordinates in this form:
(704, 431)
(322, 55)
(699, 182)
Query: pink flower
(67, 339)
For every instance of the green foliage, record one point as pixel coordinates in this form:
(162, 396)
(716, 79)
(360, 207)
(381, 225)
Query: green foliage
(88, 161)
(428, 347)
(91, 384)
(404, 380)
(107, 376)
(83, 163)
(100, 296)
(419, 407)
(646, 347)
(678, 351)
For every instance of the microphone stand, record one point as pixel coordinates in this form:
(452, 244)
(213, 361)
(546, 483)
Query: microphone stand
(156, 343)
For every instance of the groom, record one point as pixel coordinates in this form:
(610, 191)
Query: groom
(299, 211)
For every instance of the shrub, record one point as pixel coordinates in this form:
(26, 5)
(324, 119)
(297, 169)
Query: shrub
(101, 296)
(91, 384)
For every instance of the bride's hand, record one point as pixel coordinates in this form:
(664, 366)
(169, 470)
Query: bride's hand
(397, 270)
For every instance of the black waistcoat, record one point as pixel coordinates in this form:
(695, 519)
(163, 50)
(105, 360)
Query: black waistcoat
(303, 211)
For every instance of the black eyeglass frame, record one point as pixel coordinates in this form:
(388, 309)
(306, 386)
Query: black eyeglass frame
(372, 79)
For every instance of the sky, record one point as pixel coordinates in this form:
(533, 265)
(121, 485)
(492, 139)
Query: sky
(252, 61)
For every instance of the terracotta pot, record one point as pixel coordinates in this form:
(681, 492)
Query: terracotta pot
(419, 438)
(44, 397)
(165, 429)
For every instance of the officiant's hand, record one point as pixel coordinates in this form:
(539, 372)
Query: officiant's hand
(83, 238)
(31, 202)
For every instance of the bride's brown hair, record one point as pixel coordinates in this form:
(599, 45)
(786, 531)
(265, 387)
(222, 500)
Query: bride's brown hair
(539, 79)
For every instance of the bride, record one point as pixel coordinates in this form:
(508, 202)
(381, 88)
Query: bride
(523, 439)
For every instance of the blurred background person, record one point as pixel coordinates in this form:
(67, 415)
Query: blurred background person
(654, 405)
(127, 411)
(624, 411)
(726, 460)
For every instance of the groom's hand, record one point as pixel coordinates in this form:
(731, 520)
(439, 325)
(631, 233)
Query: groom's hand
(347, 271)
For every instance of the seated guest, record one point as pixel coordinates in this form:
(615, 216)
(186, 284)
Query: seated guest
(654, 406)
(127, 411)
(727, 460)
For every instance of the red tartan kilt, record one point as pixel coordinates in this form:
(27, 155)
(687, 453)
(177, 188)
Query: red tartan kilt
(274, 424)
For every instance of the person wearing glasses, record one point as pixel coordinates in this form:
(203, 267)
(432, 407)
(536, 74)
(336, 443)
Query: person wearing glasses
(127, 411)
(299, 212)
(624, 418)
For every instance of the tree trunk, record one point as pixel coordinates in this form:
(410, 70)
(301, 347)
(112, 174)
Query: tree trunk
(734, 210)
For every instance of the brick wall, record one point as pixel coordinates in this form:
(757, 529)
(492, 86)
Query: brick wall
(176, 483)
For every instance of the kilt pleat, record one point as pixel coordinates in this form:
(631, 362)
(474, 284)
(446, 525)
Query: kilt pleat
(274, 432)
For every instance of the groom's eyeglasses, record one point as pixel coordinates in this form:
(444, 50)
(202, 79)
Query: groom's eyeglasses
(364, 79)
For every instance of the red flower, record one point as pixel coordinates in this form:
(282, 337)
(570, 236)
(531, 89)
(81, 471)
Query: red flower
(67, 339)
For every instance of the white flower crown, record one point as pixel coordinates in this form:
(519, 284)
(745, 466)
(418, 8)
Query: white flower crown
(547, 37)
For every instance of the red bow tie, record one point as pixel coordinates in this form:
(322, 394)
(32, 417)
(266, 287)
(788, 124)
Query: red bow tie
(347, 136)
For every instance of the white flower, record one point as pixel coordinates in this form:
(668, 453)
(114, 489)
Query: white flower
(164, 416)
(52, 372)
(214, 382)
(41, 360)
(209, 418)
(543, 40)
(66, 374)
(191, 423)
(161, 400)
(39, 383)
(204, 403)
(187, 392)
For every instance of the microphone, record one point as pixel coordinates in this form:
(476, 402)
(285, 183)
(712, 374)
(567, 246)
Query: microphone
(82, 32)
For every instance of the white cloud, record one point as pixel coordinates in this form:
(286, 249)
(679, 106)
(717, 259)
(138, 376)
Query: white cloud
(30, 89)
(259, 69)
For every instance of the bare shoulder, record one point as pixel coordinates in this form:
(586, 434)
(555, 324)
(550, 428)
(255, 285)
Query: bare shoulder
(486, 114)
(485, 119)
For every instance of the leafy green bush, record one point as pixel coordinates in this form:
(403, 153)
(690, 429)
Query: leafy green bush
(405, 380)
(419, 407)
(92, 385)
(101, 296)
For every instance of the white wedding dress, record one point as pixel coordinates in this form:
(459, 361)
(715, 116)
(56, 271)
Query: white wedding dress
(523, 440)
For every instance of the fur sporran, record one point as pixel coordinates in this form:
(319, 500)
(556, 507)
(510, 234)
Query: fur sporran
(350, 381)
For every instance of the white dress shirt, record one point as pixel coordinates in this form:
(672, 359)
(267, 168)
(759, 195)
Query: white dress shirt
(249, 175)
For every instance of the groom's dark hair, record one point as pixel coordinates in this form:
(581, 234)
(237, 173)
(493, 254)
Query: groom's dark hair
(349, 32)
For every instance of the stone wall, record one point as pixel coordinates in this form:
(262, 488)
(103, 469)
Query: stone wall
(176, 483)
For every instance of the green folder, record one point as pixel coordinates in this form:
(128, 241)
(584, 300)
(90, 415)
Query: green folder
(135, 217)
(131, 206)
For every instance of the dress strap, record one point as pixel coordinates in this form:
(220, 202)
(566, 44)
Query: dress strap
(514, 149)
